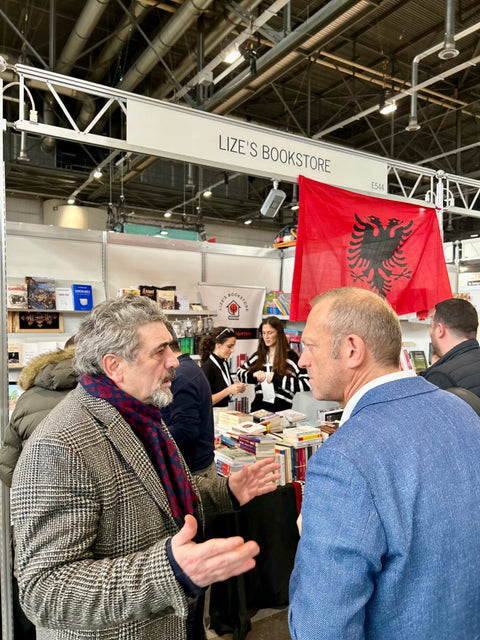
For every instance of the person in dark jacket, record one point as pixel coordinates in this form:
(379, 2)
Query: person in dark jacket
(453, 332)
(215, 350)
(189, 417)
(45, 381)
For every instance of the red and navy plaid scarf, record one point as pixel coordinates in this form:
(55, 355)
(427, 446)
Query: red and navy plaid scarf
(146, 421)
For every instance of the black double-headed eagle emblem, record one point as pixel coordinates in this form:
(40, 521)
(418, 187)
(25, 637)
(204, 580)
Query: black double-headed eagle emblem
(375, 253)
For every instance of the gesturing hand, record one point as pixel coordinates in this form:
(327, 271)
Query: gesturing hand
(214, 560)
(254, 480)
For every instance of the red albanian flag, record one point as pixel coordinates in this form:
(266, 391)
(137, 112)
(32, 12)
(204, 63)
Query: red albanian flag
(345, 239)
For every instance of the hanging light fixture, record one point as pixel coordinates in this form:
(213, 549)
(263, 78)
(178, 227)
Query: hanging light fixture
(294, 205)
(387, 103)
(232, 54)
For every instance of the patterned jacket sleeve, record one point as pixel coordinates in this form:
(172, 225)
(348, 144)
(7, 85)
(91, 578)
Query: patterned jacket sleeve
(292, 383)
(247, 376)
(66, 581)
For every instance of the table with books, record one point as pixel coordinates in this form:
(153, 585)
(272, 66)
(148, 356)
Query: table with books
(269, 519)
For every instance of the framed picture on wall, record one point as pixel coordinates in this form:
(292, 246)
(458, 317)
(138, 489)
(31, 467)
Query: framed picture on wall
(37, 322)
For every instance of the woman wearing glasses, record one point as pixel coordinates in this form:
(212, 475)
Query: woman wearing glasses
(273, 369)
(215, 350)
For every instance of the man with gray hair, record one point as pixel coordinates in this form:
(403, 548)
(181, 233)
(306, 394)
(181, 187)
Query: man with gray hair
(390, 543)
(107, 518)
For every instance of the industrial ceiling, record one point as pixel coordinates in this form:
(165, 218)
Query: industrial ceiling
(312, 68)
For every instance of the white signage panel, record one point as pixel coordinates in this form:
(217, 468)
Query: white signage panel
(203, 138)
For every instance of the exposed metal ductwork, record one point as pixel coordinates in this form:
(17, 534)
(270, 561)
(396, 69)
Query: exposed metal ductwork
(163, 41)
(324, 76)
(108, 54)
(91, 14)
(413, 124)
(212, 40)
(449, 49)
(309, 35)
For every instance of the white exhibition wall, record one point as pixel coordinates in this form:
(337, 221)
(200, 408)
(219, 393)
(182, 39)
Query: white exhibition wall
(110, 261)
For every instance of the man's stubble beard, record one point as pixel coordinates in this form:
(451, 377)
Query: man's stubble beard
(163, 397)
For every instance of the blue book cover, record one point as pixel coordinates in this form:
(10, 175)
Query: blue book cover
(82, 297)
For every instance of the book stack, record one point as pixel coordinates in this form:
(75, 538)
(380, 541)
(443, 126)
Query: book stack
(241, 404)
(283, 456)
(248, 428)
(304, 441)
(291, 417)
(227, 419)
(261, 446)
(303, 436)
(229, 460)
(271, 421)
(276, 303)
(294, 340)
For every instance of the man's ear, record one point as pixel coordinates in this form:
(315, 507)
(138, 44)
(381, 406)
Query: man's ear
(440, 330)
(113, 367)
(354, 350)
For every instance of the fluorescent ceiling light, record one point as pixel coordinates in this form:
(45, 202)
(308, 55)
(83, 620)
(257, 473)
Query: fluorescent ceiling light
(388, 108)
(232, 54)
(387, 103)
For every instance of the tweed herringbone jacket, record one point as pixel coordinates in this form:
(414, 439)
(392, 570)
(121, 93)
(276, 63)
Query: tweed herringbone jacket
(91, 521)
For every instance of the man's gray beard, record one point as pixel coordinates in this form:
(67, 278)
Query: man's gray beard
(162, 397)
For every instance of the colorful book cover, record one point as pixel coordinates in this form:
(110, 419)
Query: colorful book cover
(40, 292)
(166, 298)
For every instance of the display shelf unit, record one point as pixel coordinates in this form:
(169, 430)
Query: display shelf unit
(188, 314)
(64, 311)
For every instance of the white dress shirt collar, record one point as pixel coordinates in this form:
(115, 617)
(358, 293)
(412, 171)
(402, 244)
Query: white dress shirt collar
(390, 377)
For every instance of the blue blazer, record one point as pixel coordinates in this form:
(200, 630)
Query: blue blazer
(390, 545)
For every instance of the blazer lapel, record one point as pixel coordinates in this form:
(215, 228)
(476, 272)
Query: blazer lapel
(132, 451)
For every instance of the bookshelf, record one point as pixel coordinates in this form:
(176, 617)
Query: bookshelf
(179, 313)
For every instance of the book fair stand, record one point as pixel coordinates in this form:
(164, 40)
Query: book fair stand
(108, 261)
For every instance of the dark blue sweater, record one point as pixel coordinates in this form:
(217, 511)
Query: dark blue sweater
(189, 417)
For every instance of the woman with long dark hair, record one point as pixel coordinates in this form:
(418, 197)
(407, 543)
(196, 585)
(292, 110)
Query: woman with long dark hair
(273, 369)
(215, 350)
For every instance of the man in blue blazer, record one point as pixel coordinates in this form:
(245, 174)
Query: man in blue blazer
(390, 544)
